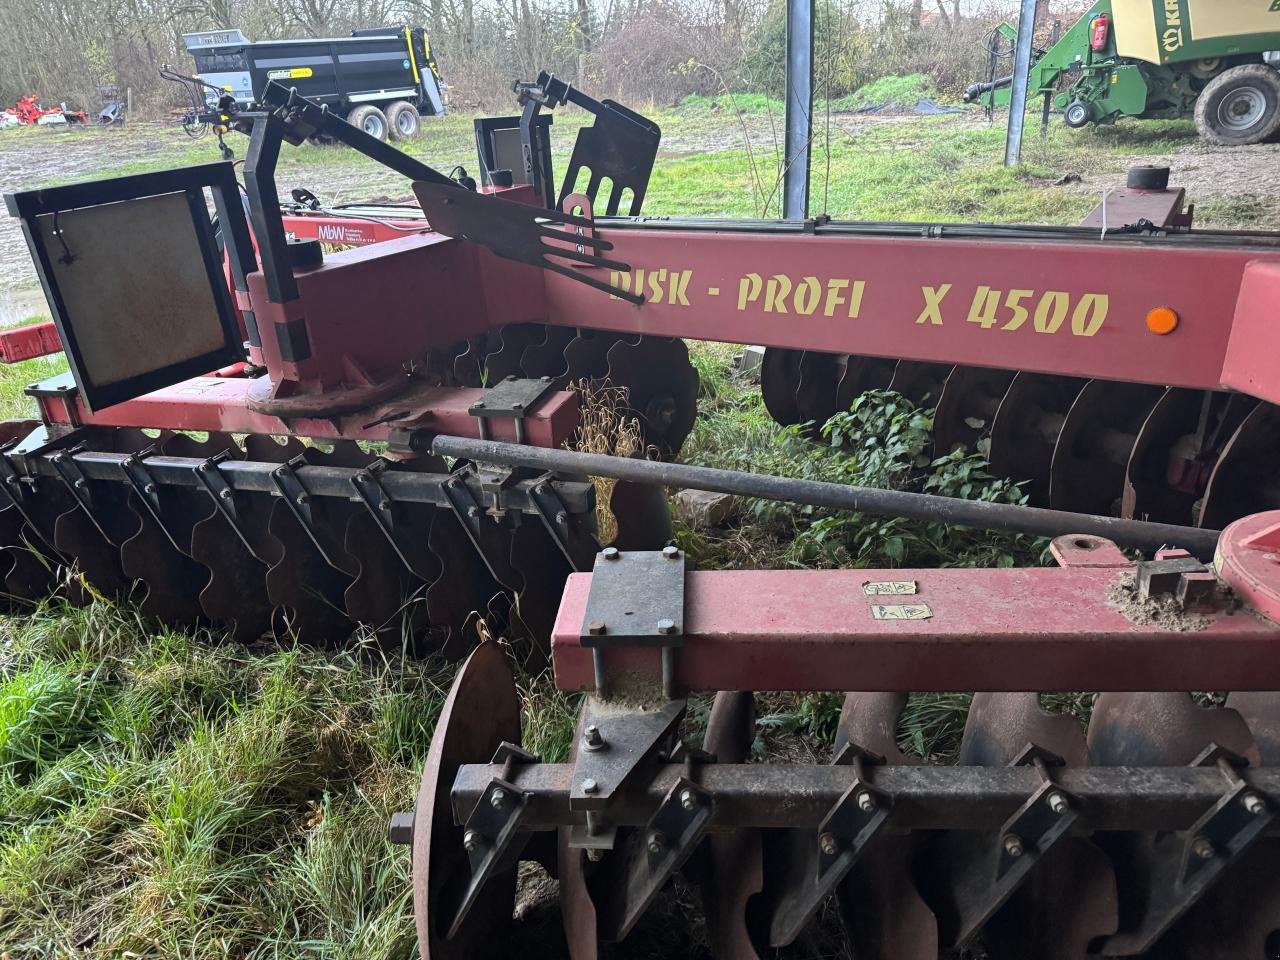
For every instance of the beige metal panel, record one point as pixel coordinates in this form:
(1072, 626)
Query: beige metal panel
(134, 285)
(1135, 27)
(1231, 18)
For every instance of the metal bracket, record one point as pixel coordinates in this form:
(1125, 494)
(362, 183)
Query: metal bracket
(379, 505)
(298, 500)
(215, 484)
(654, 853)
(636, 600)
(814, 864)
(13, 482)
(71, 474)
(470, 513)
(144, 485)
(553, 513)
(492, 840)
(510, 399)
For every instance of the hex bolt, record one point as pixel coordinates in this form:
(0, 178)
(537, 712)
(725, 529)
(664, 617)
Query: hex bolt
(828, 844)
(656, 841)
(473, 511)
(225, 493)
(666, 627)
(1058, 803)
(400, 830)
(1254, 804)
(471, 841)
(596, 628)
(1202, 847)
(562, 517)
(866, 801)
(591, 737)
(1013, 845)
(149, 488)
(361, 478)
(301, 499)
(79, 483)
(497, 798)
(688, 799)
(590, 786)
(610, 553)
(594, 855)
(671, 552)
(479, 405)
(540, 489)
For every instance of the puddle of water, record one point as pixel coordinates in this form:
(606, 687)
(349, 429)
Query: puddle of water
(21, 304)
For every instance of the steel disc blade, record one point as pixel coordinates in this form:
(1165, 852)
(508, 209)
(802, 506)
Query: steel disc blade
(662, 389)
(1175, 451)
(883, 914)
(1245, 479)
(642, 514)
(172, 579)
(96, 557)
(1089, 462)
(513, 340)
(28, 575)
(481, 712)
(817, 392)
(546, 359)
(921, 383)
(1156, 729)
(1026, 428)
(587, 355)
(384, 595)
(1261, 713)
(306, 587)
(468, 366)
(779, 381)
(734, 867)
(967, 408)
(1069, 899)
(861, 374)
(544, 570)
(463, 591)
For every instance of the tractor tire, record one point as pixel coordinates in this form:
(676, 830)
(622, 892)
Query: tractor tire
(1076, 115)
(403, 119)
(371, 120)
(1240, 106)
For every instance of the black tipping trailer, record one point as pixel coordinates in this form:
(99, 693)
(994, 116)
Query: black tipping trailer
(381, 80)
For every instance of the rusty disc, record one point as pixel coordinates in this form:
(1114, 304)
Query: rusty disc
(643, 516)
(883, 914)
(481, 711)
(546, 358)
(1245, 479)
(1089, 462)
(779, 380)
(1026, 428)
(734, 866)
(921, 383)
(967, 408)
(504, 358)
(463, 590)
(861, 374)
(817, 392)
(662, 389)
(587, 355)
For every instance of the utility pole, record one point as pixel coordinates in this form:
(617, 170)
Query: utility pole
(1018, 92)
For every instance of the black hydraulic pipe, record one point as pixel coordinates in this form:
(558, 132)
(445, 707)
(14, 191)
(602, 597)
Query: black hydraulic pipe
(982, 515)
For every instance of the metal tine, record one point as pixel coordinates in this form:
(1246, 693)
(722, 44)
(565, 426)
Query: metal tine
(546, 229)
(572, 253)
(591, 281)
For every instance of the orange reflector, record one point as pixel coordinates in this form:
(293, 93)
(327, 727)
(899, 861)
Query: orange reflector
(1162, 320)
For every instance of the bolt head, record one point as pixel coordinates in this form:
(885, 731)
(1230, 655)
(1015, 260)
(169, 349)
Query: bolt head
(473, 511)
(590, 786)
(610, 553)
(225, 493)
(479, 404)
(562, 517)
(594, 855)
(828, 844)
(666, 627)
(688, 799)
(498, 798)
(80, 483)
(1013, 845)
(540, 489)
(384, 505)
(1202, 847)
(591, 736)
(656, 841)
(471, 841)
(1254, 804)
(1058, 803)
(596, 628)
(149, 488)
(671, 552)
(866, 801)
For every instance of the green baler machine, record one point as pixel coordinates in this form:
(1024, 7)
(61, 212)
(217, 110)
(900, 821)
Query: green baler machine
(1215, 59)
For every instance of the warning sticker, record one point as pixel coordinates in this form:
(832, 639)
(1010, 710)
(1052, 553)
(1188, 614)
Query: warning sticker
(901, 611)
(895, 588)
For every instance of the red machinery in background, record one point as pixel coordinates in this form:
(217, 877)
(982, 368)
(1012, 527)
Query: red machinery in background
(1129, 373)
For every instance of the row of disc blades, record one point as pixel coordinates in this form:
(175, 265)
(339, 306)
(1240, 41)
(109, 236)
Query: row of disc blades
(1121, 894)
(1189, 457)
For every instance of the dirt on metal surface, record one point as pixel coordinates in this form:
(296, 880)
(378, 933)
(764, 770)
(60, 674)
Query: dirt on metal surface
(1162, 612)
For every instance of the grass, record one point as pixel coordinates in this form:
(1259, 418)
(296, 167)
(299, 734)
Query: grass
(172, 795)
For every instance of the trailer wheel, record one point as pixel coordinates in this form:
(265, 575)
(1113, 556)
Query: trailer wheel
(1076, 115)
(403, 118)
(1240, 106)
(369, 119)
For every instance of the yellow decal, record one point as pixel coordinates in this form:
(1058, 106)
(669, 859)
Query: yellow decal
(878, 588)
(901, 611)
(293, 73)
(932, 312)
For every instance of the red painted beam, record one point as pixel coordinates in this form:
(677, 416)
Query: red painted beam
(25, 343)
(1045, 629)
